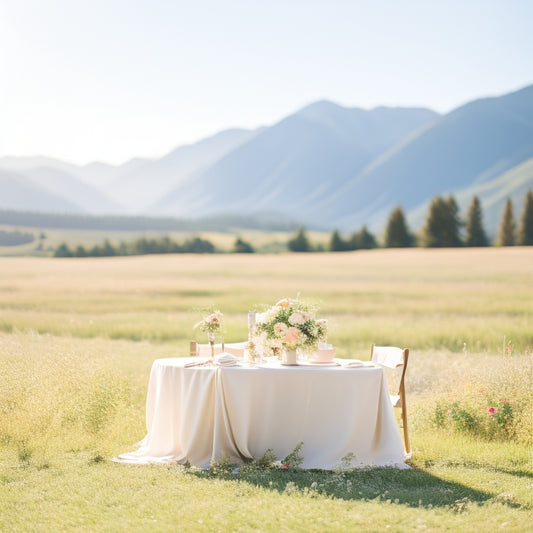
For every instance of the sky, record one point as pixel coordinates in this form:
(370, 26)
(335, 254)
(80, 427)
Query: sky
(109, 80)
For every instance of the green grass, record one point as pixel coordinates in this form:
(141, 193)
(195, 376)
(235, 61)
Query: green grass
(78, 337)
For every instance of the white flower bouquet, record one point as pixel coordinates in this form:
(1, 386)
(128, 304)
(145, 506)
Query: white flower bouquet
(291, 324)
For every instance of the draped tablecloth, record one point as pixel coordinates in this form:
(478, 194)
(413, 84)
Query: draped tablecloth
(204, 413)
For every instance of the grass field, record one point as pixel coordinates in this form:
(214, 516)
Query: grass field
(78, 337)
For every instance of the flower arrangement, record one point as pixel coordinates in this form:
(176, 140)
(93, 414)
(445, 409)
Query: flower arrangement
(211, 323)
(291, 324)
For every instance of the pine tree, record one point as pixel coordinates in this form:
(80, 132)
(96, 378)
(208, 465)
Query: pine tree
(475, 234)
(525, 235)
(299, 243)
(336, 243)
(242, 247)
(362, 240)
(397, 234)
(506, 235)
(443, 225)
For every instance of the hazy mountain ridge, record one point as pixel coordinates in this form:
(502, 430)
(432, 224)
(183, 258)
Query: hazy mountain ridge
(325, 165)
(286, 167)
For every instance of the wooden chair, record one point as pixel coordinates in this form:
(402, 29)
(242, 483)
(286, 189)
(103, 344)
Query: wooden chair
(394, 358)
(234, 348)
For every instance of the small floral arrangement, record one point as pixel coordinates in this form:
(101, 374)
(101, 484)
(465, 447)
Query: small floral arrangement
(291, 324)
(211, 323)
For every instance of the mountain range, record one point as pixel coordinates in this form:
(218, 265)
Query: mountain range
(325, 165)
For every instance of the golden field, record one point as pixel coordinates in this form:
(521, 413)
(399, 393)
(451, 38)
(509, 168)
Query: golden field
(78, 337)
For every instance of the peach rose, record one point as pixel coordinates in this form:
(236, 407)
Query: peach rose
(291, 336)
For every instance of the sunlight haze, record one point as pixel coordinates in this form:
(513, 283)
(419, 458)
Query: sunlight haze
(116, 79)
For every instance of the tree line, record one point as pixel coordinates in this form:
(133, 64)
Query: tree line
(443, 228)
(141, 246)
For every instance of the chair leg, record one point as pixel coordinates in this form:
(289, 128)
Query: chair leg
(406, 439)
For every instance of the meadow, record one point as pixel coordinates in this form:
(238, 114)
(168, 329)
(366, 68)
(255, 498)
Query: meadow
(78, 337)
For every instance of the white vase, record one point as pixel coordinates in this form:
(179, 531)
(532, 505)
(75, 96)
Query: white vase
(289, 357)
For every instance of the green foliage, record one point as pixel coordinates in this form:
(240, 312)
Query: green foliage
(300, 242)
(506, 234)
(63, 251)
(242, 247)
(397, 233)
(484, 418)
(362, 240)
(142, 246)
(337, 243)
(443, 225)
(475, 234)
(525, 234)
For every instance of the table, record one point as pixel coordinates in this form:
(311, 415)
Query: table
(204, 413)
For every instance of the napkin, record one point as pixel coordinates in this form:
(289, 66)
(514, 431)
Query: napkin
(226, 359)
(353, 363)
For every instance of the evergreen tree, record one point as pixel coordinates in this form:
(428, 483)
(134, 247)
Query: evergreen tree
(443, 225)
(107, 249)
(525, 235)
(475, 234)
(336, 243)
(453, 233)
(397, 234)
(242, 247)
(63, 251)
(80, 251)
(506, 235)
(362, 240)
(300, 242)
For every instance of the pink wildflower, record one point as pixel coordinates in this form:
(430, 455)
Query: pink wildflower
(492, 410)
(285, 466)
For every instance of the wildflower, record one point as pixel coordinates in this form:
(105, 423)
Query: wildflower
(492, 410)
(482, 390)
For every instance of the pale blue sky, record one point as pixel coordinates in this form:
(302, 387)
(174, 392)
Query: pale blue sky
(107, 80)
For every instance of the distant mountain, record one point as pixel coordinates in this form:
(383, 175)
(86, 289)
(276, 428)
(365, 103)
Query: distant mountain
(323, 166)
(292, 166)
(138, 186)
(63, 184)
(20, 192)
(471, 145)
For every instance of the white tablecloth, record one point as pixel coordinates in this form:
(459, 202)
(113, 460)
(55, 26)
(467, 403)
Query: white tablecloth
(203, 413)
